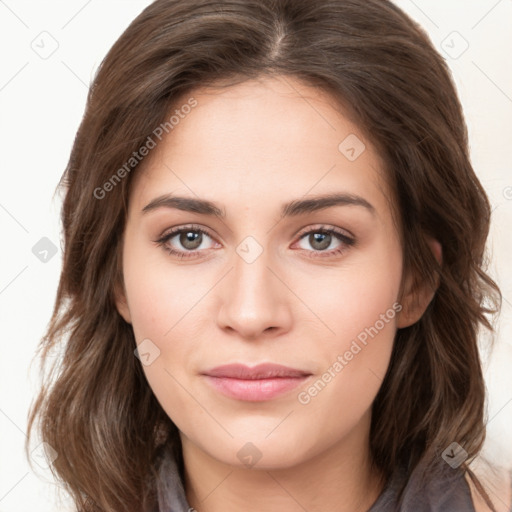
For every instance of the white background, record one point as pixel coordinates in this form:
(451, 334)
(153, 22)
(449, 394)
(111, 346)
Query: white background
(42, 102)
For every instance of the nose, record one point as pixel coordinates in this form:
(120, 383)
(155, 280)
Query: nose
(254, 300)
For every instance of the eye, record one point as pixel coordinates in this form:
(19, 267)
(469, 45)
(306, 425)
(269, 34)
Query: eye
(321, 238)
(190, 238)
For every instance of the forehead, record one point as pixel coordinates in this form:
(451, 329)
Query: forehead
(272, 138)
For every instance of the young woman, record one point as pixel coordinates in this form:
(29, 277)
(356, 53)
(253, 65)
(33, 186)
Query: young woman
(273, 271)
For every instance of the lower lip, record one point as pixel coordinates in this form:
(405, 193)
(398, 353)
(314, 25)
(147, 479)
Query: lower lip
(255, 390)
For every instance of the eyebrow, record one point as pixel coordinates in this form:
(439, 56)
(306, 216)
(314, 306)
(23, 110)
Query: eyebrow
(291, 209)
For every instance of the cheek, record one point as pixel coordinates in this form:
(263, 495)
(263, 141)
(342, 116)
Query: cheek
(158, 295)
(357, 296)
(161, 301)
(161, 312)
(353, 369)
(361, 314)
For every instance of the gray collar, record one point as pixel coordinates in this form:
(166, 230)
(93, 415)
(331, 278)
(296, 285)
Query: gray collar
(449, 493)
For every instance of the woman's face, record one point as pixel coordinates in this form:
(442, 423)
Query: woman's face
(259, 286)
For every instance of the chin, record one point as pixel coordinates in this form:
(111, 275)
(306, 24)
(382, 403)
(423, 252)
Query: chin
(281, 452)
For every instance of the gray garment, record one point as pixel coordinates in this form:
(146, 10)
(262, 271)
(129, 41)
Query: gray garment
(449, 494)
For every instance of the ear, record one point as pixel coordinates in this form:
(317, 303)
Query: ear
(417, 296)
(121, 303)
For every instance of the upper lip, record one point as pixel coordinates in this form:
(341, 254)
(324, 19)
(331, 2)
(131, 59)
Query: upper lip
(260, 371)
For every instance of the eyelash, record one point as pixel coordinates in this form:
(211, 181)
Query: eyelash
(346, 240)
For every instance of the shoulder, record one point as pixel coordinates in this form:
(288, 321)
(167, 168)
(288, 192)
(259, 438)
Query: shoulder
(498, 487)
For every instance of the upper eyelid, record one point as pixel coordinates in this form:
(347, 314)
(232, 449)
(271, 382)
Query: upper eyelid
(323, 227)
(171, 232)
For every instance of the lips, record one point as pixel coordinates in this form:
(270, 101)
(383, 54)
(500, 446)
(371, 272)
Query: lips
(256, 384)
(261, 371)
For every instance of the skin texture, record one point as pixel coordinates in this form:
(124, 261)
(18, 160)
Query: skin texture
(250, 148)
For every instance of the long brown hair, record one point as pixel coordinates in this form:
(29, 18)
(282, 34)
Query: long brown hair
(95, 407)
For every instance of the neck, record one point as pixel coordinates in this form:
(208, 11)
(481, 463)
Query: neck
(340, 478)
